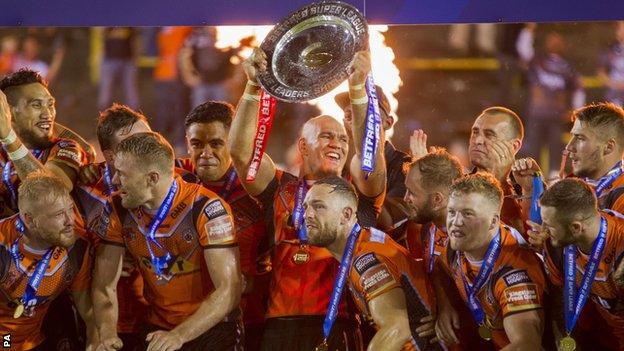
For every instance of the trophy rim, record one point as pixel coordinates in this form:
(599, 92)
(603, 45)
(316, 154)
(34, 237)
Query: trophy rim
(272, 83)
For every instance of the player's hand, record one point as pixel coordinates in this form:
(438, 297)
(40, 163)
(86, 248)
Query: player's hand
(502, 157)
(418, 144)
(359, 68)
(162, 340)
(255, 64)
(110, 344)
(89, 174)
(446, 323)
(537, 235)
(5, 116)
(427, 329)
(523, 171)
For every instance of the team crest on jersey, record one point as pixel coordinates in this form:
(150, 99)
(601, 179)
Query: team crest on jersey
(187, 235)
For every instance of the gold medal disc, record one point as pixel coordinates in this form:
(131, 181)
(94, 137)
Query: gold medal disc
(19, 310)
(567, 344)
(484, 332)
(301, 257)
(322, 347)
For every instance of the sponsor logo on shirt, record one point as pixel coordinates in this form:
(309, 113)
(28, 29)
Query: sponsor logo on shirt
(516, 277)
(215, 209)
(522, 297)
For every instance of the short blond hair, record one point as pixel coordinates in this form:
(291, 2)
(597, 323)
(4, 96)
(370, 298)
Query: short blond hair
(482, 183)
(40, 188)
(150, 148)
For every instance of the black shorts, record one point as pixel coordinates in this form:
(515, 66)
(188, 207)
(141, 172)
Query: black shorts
(225, 336)
(306, 332)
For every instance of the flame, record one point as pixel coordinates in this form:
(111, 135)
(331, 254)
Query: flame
(385, 72)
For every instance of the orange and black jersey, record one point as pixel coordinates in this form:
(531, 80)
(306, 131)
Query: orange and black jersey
(300, 289)
(251, 237)
(418, 240)
(65, 153)
(198, 220)
(93, 203)
(612, 196)
(380, 265)
(607, 295)
(516, 284)
(69, 268)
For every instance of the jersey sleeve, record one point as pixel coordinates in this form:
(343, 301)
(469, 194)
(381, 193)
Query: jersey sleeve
(520, 290)
(369, 208)
(108, 229)
(374, 275)
(215, 224)
(68, 153)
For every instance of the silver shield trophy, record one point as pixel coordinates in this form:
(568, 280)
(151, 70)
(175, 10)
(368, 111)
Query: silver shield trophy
(309, 51)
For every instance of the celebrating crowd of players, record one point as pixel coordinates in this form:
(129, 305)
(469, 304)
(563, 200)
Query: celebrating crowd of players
(146, 251)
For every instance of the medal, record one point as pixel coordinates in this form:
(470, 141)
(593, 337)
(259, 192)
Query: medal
(302, 256)
(30, 292)
(322, 346)
(484, 332)
(573, 303)
(567, 344)
(339, 283)
(160, 263)
(19, 310)
(160, 280)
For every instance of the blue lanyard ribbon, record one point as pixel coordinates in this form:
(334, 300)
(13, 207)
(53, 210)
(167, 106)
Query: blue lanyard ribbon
(432, 238)
(30, 293)
(605, 182)
(108, 180)
(572, 303)
(484, 273)
(298, 212)
(538, 188)
(343, 270)
(229, 184)
(372, 128)
(6, 176)
(160, 263)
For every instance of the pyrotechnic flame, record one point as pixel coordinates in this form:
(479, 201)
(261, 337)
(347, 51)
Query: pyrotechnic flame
(385, 72)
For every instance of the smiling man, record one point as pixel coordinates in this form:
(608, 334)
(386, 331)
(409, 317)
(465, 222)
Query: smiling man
(26, 130)
(303, 276)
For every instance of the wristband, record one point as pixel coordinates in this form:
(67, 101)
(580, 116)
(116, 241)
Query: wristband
(250, 97)
(10, 139)
(359, 101)
(18, 154)
(356, 87)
